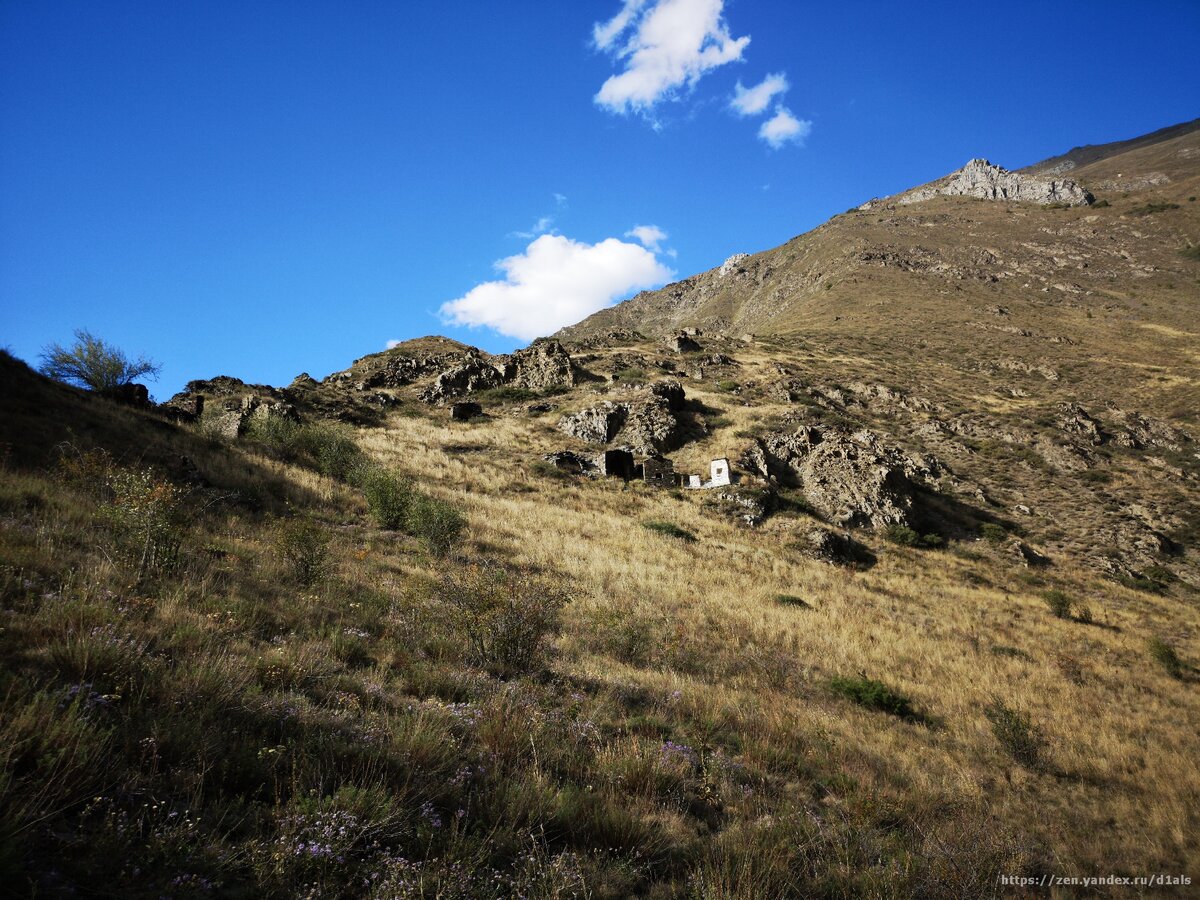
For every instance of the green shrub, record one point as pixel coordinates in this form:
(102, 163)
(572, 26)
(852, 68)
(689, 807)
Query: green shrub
(727, 385)
(1059, 603)
(993, 534)
(909, 537)
(146, 511)
(1101, 204)
(389, 496)
(304, 545)
(670, 530)
(1151, 208)
(437, 524)
(792, 600)
(505, 615)
(331, 449)
(1164, 654)
(875, 695)
(1016, 733)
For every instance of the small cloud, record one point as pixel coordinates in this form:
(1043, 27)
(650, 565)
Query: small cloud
(560, 200)
(649, 236)
(784, 127)
(665, 45)
(541, 226)
(393, 344)
(754, 100)
(554, 283)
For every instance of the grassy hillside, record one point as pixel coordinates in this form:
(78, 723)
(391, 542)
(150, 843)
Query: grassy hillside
(287, 699)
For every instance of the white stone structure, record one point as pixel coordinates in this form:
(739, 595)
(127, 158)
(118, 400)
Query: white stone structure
(691, 481)
(719, 469)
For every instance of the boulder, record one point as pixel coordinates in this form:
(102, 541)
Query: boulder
(464, 410)
(670, 391)
(835, 547)
(682, 343)
(128, 394)
(1074, 420)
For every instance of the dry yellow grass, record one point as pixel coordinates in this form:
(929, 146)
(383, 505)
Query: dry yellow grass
(1123, 791)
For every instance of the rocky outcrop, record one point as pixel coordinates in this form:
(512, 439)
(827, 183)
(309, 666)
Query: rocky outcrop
(1074, 420)
(543, 365)
(598, 424)
(851, 479)
(474, 374)
(682, 343)
(646, 423)
(980, 178)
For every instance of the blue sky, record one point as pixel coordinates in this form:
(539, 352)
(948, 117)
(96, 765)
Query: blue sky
(260, 188)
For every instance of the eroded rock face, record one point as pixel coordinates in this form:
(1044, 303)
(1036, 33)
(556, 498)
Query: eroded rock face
(597, 424)
(851, 479)
(980, 178)
(1138, 432)
(1074, 420)
(544, 365)
(646, 423)
(474, 374)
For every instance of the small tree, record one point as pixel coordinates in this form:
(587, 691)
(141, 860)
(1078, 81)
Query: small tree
(92, 363)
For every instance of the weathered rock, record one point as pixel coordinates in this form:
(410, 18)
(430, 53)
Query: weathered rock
(670, 391)
(1074, 419)
(543, 365)
(650, 426)
(473, 374)
(567, 461)
(733, 265)
(1027, 556)
(851, 479)
(303, 382)
(1138, 432)
(128, 394)
(747, 505)
(980, 178)
(682, 343)
(464, 410)
(597, 424)
(836, 547)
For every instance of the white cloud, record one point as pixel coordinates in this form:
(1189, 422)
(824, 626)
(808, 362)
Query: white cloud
(754, 100)
(649, 236)
(541, 226)
(393, 343)
(554, 283)
(783, 127)
(560, 200)
(665, 46)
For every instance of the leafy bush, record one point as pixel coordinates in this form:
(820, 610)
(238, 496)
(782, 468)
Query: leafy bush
(670, 530)
(389, 496)
(91, 363)
(909, 537)
(792, 600)
(304, 546)
(875, 695)
(727, 385)
(1059, 602)
(146, 511)
(1151, 208)
(331, 448)
(1164, 654)
(435, 523)
(505, 615)
(993, 534)
(1020, 738)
